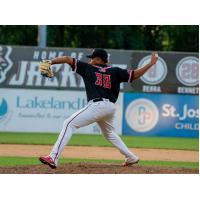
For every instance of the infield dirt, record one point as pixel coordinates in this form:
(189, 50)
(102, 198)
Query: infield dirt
(97, 153)
(95, 168)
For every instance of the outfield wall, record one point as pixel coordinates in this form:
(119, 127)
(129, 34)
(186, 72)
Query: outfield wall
(137, 113)
(163, 102)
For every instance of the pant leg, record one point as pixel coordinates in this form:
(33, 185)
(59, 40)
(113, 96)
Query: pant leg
(70, 125)
(107, 129)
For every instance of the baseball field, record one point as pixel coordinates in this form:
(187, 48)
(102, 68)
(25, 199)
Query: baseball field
(92, 154)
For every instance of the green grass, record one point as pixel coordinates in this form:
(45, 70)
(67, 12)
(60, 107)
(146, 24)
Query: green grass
(98, 140)
(20, 161)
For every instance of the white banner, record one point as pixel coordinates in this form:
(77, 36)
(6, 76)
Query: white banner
(26, 110)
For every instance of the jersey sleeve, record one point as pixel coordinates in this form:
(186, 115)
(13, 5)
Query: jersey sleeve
(125, 75)
(79, 67)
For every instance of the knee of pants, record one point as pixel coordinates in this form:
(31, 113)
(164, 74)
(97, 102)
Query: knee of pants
(107, 130)
(68, 122)
(107, 134)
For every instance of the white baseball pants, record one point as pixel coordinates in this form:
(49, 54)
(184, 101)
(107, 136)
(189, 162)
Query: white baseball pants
(101, 112)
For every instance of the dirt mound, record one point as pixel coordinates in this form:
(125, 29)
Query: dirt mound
(95, 168)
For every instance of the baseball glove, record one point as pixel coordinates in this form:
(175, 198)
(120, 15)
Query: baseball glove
(45, 68)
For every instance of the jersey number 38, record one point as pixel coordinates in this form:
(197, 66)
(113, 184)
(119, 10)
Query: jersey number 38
(103, 80)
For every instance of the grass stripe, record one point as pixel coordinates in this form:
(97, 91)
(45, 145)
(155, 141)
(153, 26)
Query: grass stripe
(98, 140)
(19, 161)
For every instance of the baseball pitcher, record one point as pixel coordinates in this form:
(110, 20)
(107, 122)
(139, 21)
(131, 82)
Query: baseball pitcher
(102, 84)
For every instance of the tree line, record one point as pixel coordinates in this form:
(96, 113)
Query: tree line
(129, 37)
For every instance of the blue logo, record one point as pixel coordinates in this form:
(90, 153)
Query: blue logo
(142, 115)
(3, 108)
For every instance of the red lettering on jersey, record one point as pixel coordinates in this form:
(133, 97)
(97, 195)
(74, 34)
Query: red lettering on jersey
(106, 80)
(99, 79)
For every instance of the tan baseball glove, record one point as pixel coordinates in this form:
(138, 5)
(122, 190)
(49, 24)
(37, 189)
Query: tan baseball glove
(45, 68)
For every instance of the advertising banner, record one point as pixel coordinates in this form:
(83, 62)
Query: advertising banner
(175, 72)
(19, 67)
(161, 115)
(26, 110)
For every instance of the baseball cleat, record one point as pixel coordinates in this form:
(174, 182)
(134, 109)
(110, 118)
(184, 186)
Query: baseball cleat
(47, 160)
(130, 163)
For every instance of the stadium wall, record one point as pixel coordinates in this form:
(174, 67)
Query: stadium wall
(172, 86)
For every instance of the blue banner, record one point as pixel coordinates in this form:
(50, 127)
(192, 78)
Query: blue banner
(161, 115)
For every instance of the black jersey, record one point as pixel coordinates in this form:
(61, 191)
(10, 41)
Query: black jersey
(102, 81)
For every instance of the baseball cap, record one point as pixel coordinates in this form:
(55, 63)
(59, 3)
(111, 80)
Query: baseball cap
(101, 53)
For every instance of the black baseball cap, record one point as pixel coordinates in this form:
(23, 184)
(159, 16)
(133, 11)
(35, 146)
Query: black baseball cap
(101, 53)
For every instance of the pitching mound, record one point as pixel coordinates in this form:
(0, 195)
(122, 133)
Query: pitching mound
(95, 168)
